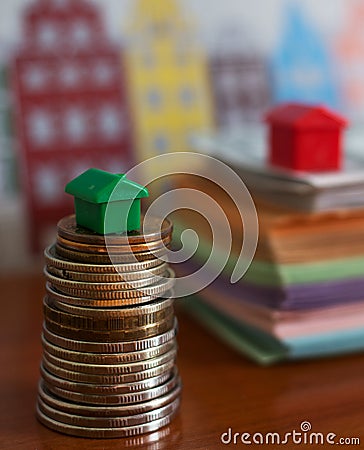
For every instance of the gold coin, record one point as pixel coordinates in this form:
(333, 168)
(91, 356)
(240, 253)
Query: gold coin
(118, 286)
(107, 277)
(114, 249)
(109, 410)
(54, 260)
(107, 422)
(109, 336)
(108, 358)
(111, 347)
(111, 369)
(103, 303)
(153, 229)
(103, 390)
(104, 432)
(76, 256)
(103, 320)
(147, 313)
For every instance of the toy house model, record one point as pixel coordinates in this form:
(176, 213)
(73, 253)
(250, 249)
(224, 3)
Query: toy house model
(71, 109)
(303, 137)
(105, 202)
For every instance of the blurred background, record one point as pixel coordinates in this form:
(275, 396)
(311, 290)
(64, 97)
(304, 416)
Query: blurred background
(108, 83)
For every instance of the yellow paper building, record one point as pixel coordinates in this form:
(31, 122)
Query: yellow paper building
(168, 80)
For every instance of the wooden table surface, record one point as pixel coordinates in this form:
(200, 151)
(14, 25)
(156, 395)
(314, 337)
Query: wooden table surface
(222, 389)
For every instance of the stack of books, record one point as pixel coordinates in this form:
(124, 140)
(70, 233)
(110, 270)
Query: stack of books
(303, 294)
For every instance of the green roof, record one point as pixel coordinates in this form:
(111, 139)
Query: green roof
(98, 186)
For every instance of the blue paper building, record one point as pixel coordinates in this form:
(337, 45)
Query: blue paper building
(301, 65)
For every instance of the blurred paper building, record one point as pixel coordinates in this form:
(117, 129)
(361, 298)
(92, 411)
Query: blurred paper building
(71, 109)
(301, 65)
(350, 52)
(239, 79)
(168, 78)
(8, 173)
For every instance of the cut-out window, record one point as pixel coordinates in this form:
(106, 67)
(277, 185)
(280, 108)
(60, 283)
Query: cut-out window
(154, 98)
(75, 124)
(110, 124)
(161, 143)
(48, 34)
(35, 77)
(41, 127)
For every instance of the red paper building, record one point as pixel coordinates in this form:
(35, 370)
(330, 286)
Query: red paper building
(71, 108)
(303, 137)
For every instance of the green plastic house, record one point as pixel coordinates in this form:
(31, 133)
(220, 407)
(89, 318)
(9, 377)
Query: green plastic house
(106, 203)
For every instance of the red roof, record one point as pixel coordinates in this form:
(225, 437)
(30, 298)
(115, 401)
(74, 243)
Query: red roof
(299, 115)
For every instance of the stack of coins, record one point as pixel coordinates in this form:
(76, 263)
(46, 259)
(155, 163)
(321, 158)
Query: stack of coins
(109, 345)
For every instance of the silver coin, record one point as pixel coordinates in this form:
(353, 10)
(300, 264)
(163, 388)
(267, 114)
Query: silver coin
(52, 259)
(52, 380)
(104, 432)
(108, 410)
(108, 286)
(107, 277)
(108, 358)
(111, 369)
(111, 347)
(101, 379)
(76, 289)
(107, 422)
(132, 393)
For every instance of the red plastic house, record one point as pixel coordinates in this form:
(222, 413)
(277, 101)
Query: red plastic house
(71, 108)
(306, 138)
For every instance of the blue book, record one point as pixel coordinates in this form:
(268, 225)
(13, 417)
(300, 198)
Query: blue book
(266, 349)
